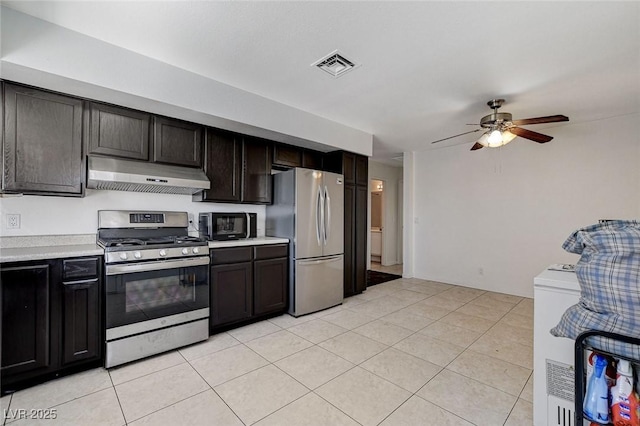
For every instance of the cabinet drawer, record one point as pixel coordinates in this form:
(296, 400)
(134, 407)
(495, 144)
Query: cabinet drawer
(73, 269)
(270, 251)
(230, 255)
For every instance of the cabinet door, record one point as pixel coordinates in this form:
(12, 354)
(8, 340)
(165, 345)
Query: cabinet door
(270, 285)
(349, 167)
(349, 238)
(43, 142)
(312, 159)
(119, 132)
(223, 165)
(256, 173)
(81, 320)
(177, 142)
(231, 295)
(362, 170)
(360, 243)
(287, 155)
(25, 319)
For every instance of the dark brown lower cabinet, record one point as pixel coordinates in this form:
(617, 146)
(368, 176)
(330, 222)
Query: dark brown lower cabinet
(26, 337)
(51, 319)
(81, 320)
(230, 293)
(269, 293)
(247, 283)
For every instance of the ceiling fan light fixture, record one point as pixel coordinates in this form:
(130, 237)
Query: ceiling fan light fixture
(496, 138)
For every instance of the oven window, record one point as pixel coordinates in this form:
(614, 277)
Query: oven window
(139, 296)
(143, 295)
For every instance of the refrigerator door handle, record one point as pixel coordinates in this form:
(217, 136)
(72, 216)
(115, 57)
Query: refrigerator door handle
(322, 202)
(319, 215)
(327, 224)
(316, 262)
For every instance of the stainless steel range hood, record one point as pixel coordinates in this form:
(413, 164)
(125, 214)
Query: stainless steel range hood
(138, 176)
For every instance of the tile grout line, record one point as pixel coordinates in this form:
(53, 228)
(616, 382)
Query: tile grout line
(4, 417)
(117, 397)
(471, 378)
(214, 391)
(465, 349)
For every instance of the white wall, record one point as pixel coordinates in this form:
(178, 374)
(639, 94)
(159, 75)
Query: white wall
(42, 215)
(390, 176)
(494, 219)
(45, 55)
(408, 211)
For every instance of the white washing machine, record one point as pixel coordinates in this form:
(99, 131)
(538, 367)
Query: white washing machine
(553, 357)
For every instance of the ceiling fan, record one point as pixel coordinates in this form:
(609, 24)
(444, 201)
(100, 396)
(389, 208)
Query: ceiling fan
(500, 129)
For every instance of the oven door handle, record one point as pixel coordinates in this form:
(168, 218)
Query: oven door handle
(156, 266)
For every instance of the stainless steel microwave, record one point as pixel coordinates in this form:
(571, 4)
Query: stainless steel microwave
(227, 226)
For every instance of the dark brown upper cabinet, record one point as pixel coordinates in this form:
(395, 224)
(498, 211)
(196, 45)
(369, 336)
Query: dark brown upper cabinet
(289, 156)
(286, 156)
(125, 133)
(42, 142)
(119, 132)
(256, 171)
(312, 159)
(238, 167)
(177, 142)
(362, 170)
(223, 166)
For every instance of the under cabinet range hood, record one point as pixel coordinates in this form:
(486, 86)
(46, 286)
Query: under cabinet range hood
(138, 176)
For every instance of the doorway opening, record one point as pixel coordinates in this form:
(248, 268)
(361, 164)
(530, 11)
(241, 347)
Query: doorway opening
(377, 214)
(382, 232)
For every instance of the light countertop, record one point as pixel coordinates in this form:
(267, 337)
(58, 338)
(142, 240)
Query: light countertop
(248, 242)
(38, 247)
(24, 249)
(23, 254)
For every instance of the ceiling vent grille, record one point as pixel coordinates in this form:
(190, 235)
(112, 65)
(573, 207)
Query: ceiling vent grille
(335, 64)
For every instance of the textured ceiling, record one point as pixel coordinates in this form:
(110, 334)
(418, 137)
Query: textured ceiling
(427, 68)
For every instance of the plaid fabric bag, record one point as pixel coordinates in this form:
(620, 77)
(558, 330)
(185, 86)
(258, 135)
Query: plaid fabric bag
(609, 275)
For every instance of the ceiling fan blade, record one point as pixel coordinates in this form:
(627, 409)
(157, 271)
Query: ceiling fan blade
(476, 146)
(451, 137)
(540, 120)
(528, 134)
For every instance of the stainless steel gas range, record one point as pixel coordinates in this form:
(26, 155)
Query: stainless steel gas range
(157, 283)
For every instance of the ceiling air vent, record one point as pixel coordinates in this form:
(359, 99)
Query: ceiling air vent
(335, 64)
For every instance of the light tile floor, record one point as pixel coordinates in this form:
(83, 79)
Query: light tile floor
(393, 269)
(405, 352)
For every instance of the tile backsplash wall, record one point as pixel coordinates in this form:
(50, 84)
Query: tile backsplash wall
(42, 215)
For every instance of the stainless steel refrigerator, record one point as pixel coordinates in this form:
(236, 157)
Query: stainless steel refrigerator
(308, 208)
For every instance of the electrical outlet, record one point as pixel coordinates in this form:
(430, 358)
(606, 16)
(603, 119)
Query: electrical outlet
(13, 221)
(480, 271)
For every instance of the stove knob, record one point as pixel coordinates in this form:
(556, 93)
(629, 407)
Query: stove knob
(185, 251)
(123, 256)
(163, 252)
(137, 255)
(195, 250)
